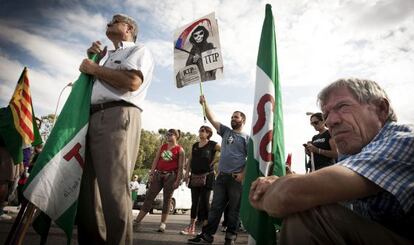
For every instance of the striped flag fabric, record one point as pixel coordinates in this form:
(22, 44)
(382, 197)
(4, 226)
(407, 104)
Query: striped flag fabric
(54, 184)
(266, 146)
(17, 121)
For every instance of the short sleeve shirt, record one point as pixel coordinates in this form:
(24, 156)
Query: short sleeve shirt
(387, 161)
(233, 150)
(129, 56)
(168, 160)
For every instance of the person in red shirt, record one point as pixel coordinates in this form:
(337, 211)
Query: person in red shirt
(166, 173)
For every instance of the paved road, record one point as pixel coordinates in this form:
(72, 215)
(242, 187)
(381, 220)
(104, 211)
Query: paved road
(146, 235)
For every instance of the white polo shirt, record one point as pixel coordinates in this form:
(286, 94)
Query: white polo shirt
(129, 56)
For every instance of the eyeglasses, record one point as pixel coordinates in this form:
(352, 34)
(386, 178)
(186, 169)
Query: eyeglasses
(315, 123)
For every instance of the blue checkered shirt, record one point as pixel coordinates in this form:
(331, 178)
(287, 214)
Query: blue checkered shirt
(388, 161)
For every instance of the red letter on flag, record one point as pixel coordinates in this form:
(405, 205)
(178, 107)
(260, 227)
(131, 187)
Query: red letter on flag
(74, 152)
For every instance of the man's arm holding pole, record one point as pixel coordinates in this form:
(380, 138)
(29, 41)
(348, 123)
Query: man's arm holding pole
(210, 116)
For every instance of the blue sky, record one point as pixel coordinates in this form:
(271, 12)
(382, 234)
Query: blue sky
(318, 42)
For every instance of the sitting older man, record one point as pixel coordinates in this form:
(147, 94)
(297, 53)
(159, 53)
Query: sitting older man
(375, 176)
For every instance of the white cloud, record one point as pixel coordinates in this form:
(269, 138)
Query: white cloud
(52, 57)
(162, 51)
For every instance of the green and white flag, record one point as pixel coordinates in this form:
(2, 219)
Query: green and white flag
(54, 184)
(266, 146)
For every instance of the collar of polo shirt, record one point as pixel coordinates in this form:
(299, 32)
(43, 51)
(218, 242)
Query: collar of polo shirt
(125, 44)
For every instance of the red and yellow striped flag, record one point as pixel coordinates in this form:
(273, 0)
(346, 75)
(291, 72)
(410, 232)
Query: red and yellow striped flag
(18, 127)
(21, 107)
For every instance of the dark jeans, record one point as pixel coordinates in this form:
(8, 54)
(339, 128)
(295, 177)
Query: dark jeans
(227, 191)
(200, 197)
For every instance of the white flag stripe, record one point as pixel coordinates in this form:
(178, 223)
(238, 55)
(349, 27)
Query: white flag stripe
(56, 187)
(264, 85)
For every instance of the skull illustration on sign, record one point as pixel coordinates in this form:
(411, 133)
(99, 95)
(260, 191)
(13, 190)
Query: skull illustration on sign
(198, 36)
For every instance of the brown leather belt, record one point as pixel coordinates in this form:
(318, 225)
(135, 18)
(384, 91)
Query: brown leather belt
(106, 105)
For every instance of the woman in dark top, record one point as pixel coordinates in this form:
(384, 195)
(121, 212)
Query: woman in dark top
(322, 146)
(200, 164)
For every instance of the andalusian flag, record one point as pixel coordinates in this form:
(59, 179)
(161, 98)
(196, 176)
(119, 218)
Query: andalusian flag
(54, 184)
(17, 121)
(266, 146)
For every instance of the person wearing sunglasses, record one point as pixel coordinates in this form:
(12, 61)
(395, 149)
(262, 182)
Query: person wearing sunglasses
(166, 173)
(322, 147)
(200, 176)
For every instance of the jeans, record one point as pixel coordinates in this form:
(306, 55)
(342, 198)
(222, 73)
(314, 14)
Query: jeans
(227, 191)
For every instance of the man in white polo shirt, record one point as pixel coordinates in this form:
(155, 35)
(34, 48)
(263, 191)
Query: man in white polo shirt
(122, 78)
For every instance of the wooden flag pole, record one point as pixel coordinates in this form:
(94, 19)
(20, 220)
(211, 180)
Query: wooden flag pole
(17, 223)
(203, 105)
(26, 223)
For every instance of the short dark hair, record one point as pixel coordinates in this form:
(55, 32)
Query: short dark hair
(318, 115)
(242, 115)
(208, 130)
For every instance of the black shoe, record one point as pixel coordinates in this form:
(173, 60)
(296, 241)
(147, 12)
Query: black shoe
(228, 242)
(201, 239)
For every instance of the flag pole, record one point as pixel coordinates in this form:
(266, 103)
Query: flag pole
(29, 215)
(16, 224)
(306, 162)
(203, 105)
(312, 163)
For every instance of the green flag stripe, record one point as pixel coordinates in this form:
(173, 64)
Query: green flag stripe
(267, 57)
(259, 225)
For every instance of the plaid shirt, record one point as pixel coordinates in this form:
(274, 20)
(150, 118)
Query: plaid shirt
(388, 161)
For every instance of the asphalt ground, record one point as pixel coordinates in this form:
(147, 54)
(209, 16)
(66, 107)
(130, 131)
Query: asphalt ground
(147, 233)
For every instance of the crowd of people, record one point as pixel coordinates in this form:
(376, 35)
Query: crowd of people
(360, 156)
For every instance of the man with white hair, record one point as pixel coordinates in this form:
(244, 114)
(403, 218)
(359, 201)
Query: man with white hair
(375, 174)
(122, 77)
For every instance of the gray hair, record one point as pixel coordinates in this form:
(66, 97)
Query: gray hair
(130, 21)
(365, 91)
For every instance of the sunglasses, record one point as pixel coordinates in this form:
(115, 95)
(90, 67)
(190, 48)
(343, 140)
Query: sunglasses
(170, 134)
(202, 130)
(315, 123)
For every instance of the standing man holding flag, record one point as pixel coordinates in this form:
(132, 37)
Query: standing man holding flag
(266, 146)
(122, 78)
(228, 186)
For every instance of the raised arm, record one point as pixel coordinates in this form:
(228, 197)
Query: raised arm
(210, 116)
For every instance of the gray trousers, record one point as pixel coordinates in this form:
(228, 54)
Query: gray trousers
(334, 224)
(104, 211)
